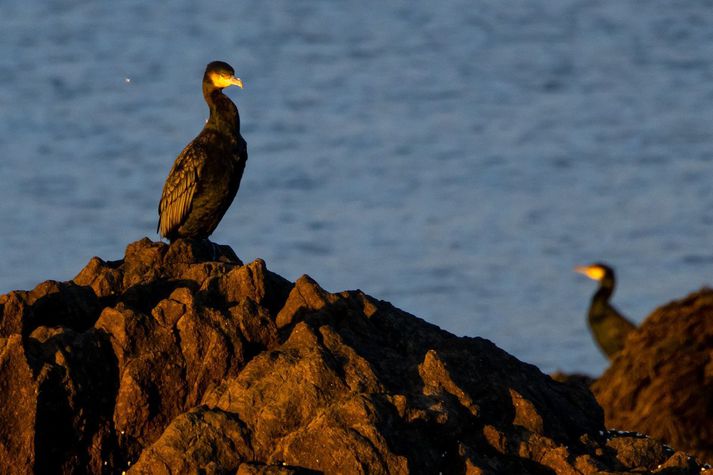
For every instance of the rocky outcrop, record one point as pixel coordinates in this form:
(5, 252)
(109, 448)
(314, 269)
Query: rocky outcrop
(662, 381)
(180, 359)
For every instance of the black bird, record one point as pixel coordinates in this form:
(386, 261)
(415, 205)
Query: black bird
(608, 326)
(206, 175)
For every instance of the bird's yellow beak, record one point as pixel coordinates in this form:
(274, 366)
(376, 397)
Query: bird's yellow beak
(236, 82)
(593, 272)
(225, 81)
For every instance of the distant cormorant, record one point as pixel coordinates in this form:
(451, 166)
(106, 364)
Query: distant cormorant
(206, 175)
(608, 326)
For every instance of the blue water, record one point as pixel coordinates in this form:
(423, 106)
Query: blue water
(456, 159)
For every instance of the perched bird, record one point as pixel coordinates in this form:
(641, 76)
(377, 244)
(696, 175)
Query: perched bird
(608, 326)
(206, 175)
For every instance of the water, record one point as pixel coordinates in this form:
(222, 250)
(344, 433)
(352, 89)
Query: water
(455, 159)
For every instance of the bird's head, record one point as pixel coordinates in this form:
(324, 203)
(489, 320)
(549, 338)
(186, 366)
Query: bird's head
(221, 75)
(596, 271)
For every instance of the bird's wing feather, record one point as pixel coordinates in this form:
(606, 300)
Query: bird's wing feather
(180, 187)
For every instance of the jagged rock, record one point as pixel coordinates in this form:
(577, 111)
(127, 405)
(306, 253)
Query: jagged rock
(661, 383)
(51, 303)
(74, 398)
(180, 359)
(18, 408)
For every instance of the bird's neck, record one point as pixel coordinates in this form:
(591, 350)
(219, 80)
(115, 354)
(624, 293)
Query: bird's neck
(605, 291)
(224, 115)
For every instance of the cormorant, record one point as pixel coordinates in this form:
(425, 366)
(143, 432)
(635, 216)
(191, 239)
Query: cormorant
(206, 175)
(608, 326)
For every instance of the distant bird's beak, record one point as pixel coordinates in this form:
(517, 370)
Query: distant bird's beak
(236, 82)
(593, 272)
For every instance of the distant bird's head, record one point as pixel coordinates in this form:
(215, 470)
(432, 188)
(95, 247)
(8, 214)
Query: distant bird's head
(221, 75)
(596, 271)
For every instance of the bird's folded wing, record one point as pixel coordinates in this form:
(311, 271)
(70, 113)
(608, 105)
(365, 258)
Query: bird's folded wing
(179, 189)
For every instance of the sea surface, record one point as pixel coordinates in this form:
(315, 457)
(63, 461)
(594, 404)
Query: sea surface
(456, 158)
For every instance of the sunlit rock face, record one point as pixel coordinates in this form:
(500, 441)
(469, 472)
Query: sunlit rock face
(180, 359)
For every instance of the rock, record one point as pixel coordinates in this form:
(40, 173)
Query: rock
(633, 447)
(577, 379)
(661, 383)
(18, 409)
(76, 376)
(50, 303)
(180, 359)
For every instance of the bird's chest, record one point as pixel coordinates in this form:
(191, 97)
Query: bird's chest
(222, 154)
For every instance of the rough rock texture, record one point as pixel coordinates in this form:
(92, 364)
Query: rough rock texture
(662, 381)
(175, 361)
